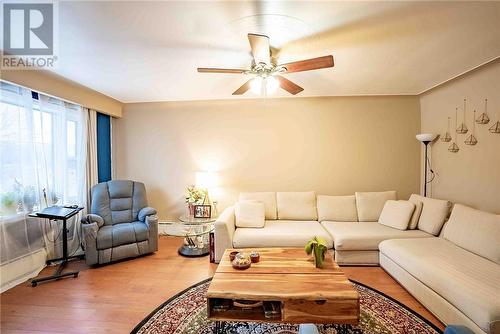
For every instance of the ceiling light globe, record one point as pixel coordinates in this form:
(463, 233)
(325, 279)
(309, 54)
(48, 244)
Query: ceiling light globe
(272, 84)
(256, 85)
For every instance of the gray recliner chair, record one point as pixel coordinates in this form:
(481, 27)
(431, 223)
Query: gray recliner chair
(120, 223)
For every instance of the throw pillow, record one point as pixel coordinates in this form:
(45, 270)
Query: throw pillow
(249, 214)
(416, 214)
(434, 213)
(268, 198)
(397, 214)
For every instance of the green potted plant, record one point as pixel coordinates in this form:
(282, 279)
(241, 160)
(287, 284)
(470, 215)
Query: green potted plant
(9, 202)
(318, 248)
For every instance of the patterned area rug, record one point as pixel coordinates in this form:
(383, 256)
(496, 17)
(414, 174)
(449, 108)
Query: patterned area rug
(186, 313)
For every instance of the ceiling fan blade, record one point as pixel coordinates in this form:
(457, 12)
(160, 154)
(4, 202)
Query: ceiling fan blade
(220, 70)
(309, 64)
(289, 86)
(260, 48)
(243, 89)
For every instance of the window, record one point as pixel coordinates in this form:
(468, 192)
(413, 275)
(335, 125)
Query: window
(42, 151)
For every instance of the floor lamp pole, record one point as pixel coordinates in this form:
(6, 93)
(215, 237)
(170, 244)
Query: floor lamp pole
(426, 143)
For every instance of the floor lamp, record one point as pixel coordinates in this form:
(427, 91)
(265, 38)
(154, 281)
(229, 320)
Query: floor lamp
(425, 138)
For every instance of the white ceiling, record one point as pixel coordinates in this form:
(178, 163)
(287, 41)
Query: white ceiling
(149, 51)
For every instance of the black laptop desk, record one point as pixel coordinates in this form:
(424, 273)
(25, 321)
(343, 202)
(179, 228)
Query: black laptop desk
(63, 214)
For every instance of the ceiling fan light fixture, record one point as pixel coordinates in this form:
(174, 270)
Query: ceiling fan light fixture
(256, 85)
(272, 84)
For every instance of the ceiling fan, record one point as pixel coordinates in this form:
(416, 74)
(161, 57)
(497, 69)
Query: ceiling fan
(267, 73)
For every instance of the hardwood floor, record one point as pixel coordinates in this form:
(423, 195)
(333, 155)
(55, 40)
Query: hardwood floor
(114, 298)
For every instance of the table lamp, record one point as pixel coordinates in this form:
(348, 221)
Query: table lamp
(206, 180)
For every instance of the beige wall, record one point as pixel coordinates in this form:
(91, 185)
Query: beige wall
(51, 84)
(471, 176)
(331, 145)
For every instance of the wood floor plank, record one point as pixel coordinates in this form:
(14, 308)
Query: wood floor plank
(114, 298)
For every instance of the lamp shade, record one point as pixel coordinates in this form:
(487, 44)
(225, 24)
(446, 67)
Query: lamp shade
(207, 180)
(426, 137)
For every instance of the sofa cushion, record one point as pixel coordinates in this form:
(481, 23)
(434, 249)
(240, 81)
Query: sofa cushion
(297, 205)
(268, 198)
(434, 213)
(474, 230)
(416, 214)
(282, 233)
(120, 234)
(467, 281)
(370, 204)
(249, 214)
(365, 235)
(397, 214)
(337, 208)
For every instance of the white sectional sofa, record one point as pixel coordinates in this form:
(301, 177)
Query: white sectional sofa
(347, 223)
(456, 276)
(454, 271)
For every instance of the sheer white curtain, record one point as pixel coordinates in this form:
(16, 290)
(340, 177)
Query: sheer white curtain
(42, 163)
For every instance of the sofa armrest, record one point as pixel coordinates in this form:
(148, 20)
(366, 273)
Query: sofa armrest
(224, 230)
(145, 212)
(152, 223)
(89, 231)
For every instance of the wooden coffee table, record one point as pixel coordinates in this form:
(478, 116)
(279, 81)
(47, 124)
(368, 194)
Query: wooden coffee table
(288, 278)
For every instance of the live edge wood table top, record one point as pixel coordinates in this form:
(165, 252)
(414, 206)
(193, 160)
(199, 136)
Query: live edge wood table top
(288, 276)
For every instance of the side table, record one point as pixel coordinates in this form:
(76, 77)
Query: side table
(195, 232)
(63, 214)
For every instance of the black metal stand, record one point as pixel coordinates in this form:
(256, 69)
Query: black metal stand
(58, 274)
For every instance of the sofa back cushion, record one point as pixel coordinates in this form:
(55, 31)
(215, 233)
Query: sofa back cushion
(267, 198)
(249, 214)
(297, 205)
(337, 208)
(397, 214)
(370, 204)
(474, 230)
(434, 213)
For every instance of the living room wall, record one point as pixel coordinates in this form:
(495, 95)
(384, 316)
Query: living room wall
(332, 145)
(472, 175)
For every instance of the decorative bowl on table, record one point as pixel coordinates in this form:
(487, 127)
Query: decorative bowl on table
(232, 255)
(255, 257)
(241, 261)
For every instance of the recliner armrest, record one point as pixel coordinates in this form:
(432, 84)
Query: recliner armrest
(152, 222)
(89, 231)
(144, 212)
(93, 218)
